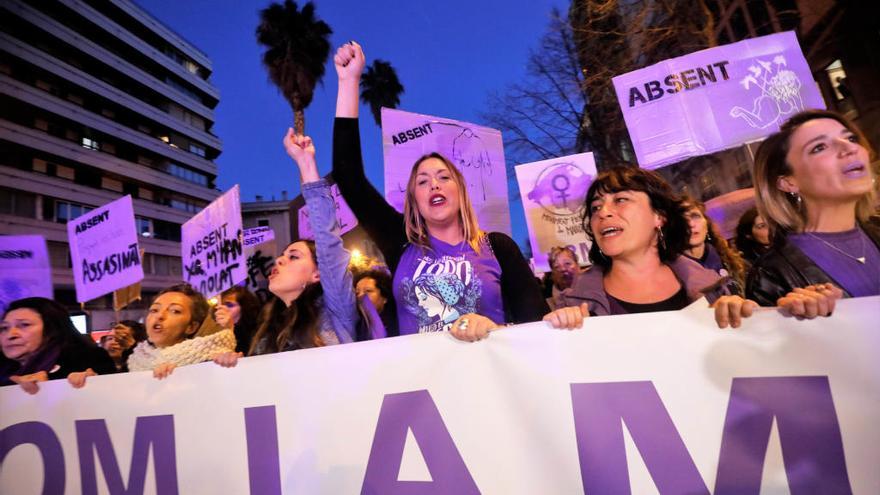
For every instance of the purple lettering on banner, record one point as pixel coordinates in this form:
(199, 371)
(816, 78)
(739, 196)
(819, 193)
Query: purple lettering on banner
(416, 411)
(812, 447)
(155, 431)
(598, 411)
(43, 437)
(262, 450)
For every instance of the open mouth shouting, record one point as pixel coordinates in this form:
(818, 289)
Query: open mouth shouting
(610, 231)
(855, 170)
(437, 200)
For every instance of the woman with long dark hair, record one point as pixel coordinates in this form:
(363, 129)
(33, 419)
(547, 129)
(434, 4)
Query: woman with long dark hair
(39, 343)
(708, 247)
(752, 235)
(238, 309)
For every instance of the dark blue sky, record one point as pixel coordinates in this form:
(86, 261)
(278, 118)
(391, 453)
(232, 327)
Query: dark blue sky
(449, 56)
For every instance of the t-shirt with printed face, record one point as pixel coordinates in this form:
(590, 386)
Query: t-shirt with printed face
(433, 287)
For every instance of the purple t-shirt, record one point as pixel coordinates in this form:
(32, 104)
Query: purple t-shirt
(858, 279)
(433, 287)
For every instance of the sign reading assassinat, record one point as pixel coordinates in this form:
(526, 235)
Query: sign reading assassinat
(553, 193)
(716, 98)
(211, 246)
(642, 403)
(476, 151)
(24, 269)
(104, 250)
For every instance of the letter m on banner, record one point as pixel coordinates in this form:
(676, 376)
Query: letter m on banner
(809, 433)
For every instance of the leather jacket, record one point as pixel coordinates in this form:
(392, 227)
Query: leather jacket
(785, 267)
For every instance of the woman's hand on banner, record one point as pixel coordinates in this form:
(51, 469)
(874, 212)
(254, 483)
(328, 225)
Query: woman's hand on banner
(163, 370)
(29, 382)
(227, 359)
(472, 327)
(730, 310)
(77, 379)
(811, 301)
(568, 318)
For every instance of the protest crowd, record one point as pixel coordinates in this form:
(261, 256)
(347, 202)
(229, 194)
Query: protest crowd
(813, 239)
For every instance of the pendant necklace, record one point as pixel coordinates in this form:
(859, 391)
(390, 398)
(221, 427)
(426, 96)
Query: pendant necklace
(861, 259)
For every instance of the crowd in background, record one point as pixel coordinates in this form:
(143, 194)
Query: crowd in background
(812, 239)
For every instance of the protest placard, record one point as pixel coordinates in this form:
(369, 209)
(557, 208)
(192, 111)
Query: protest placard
(716, 98)
(260, 250)
(553, 193)
(211, 246)
(104, 250)
(24, 268)
(344, 216)
(476, 151)
(641, 403)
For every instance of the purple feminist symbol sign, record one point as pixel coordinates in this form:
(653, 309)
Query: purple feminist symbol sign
(716, 98)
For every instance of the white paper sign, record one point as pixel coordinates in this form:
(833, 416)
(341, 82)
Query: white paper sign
(104, 250)
(642, 403)
(211, 246)
(24, 268)
(476, 151)
(553, 193)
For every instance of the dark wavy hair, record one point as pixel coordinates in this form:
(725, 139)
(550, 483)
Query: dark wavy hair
(663, 201)
(297, 323)
(248, 317)
(750, 248)
(59, 336)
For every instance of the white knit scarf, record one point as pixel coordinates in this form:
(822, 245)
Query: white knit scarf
(146, 356)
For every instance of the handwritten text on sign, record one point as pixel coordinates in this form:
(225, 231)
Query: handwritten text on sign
(104, 250)
(658, 402)
(211, 246)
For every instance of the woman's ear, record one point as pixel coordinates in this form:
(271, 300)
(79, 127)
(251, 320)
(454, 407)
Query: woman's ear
(786, 183)
(316, 276)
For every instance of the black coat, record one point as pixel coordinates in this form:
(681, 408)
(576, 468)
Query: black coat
(785, 267)
(72, 358)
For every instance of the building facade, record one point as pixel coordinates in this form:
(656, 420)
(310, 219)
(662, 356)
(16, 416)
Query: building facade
(99, 100)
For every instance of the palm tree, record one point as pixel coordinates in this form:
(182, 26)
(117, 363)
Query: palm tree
(380, 88)
(297, 46)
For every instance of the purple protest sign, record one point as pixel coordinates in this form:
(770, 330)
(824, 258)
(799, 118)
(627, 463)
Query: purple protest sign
(477, 152)
(344, 216)
(24, 269)
(553, 193)
(211, 246)
(715, 99)
(104, 250)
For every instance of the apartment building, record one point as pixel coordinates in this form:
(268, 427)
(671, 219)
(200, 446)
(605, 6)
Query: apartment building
(99, 100)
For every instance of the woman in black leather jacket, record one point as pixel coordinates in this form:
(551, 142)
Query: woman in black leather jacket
(816, 188)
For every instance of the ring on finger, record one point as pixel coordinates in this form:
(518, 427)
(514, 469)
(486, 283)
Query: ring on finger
(463, 324)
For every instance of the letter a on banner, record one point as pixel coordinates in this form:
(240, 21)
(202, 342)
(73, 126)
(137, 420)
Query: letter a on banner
(104, 250)
(212, 248)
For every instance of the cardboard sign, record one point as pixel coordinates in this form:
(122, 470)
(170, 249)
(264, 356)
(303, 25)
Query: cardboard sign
(104, 250)
(553, 193)
(344, 216)
(211, 246)
(260, 249)
(24, 269)
(715, 99)
(476, 151)
(642, 403)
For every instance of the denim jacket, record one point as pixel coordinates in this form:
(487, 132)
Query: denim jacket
(339, 315)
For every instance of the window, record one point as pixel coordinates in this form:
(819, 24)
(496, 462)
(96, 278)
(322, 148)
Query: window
(144, 193)
(263, 222)
(111, 184)
(64, 172)
(837, 77)
(187, 174)
(65, 211)
(40, 166)
(41, 124)
(106, 112)
(90, 144)
(59, 254)
(75, 99)
(196, 149)
(144, 226)
(18, 203)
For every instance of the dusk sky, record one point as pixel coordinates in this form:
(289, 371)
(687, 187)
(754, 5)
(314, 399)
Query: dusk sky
(449, 56)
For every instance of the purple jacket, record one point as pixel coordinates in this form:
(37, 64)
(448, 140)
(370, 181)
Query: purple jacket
(696, 280)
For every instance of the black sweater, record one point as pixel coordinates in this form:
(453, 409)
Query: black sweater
(519, 288)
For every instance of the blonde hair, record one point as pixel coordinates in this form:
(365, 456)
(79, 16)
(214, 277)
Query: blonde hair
(416, 228)
(782, 211)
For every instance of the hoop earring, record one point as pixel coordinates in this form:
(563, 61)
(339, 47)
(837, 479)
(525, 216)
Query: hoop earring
(661, 239)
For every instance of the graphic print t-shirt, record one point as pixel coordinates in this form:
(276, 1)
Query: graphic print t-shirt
(433, 287)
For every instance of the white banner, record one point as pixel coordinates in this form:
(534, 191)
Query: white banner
(553, 193)
(211, 246)
(476, 151)
(651, 403)
(24, 268)
(104, 250)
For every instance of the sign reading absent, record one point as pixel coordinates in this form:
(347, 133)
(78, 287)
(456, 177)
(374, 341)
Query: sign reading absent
(643, 403)
(716, 98)
(211, 246)
(104, 250)
(24, 269)
(476, 151)
(553, 193)
(344, 216)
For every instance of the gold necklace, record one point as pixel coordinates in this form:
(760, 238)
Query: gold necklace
(861, 259)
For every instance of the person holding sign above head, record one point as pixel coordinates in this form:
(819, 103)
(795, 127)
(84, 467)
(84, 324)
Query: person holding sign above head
(314, 303)
(39, 343)
(173, 322)
(639, 233)
(448, 274)
(707, 247)
(816, 187)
